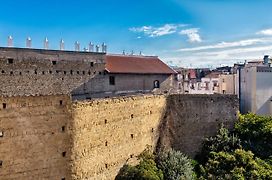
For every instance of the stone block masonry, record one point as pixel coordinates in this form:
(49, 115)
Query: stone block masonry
(51, 137)
(34, 143)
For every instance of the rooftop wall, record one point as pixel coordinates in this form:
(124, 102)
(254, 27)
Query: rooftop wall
(46, 72)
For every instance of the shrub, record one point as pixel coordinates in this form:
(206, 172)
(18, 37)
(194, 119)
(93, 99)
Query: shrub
(175, 165)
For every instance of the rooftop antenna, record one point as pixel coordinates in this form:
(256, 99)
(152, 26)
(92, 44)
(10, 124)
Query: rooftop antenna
(97, 48)
(10, 41)
(141, 53)
(46, 43)
(77, 46)
(61, 44)
(124, 53)
(28, 42)
(91, 47)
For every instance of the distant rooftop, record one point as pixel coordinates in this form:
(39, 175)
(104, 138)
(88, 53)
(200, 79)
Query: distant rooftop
(136, 65)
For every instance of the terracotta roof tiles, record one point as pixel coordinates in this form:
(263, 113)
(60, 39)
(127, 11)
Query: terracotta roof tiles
(137, 65)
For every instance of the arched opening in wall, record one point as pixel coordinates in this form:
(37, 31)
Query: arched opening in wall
(4, 105)
(156, 84)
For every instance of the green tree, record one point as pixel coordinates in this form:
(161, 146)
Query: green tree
(175, 165)
(256, 133)
(239, 164)
(223, 141)
(145, 170)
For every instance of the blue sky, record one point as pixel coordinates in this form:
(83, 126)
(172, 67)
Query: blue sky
(197, 33)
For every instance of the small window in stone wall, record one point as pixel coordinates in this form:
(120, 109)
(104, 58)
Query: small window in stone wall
(131, 116)
(10, 60)
(3, 71)
(4, 105)
(63, 128)
(61, 102)
(106, 143)
(1, 163)
(63, 154)
(106, 166)
(11, 72)
(54, 62)
(132, 136)
(91, 64)
(112, 80)
(63, 178)
(156, 84)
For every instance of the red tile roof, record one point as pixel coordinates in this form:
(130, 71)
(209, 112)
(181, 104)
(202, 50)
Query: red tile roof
(136, 65)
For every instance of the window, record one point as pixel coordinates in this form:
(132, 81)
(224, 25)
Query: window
(61, 102)
(1, 163)
(54, 62)
(63, 178)
(4, 105)
(10, 60)
(132, 136)
(156, 84)
(63, 128)
(224, 91)
(63, 154)
(92, 64)
(106, 143)
(112, 80)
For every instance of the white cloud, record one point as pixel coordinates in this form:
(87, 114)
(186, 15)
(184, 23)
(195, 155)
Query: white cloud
(267, 32)
(151, 31)
(223, 45)
(192, 34)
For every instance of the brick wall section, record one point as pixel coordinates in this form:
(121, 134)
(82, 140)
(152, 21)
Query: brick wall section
(33, 138)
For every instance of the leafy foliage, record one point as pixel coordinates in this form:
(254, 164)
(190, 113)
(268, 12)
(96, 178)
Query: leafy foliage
(239, 164)
(223, 141)
(256, 133)
(175, 165)
(145, 170)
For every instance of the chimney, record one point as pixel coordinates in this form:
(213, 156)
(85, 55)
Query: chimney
(10, 41)
(104, 48)
(266, 59)
(77, 46)
(97, 48)
(91, 47)
(28, 42)
(46, 43)
(61, 44)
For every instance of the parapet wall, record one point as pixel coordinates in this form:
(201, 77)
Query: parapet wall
(47, 72)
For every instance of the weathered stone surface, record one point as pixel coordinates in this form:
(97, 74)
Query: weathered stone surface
(101, 135)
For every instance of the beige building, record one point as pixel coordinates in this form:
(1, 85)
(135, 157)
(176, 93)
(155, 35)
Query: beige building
(226, 84)
(256, 90)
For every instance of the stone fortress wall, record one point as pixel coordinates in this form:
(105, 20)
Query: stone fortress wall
(51, 137)
(34, 143)
(109, 132)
